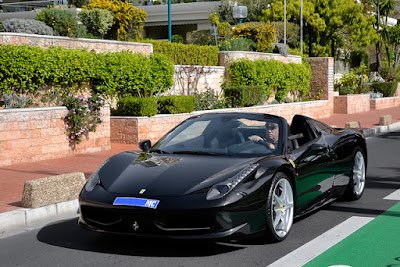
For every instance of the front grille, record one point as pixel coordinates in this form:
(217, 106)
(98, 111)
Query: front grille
(146, 221)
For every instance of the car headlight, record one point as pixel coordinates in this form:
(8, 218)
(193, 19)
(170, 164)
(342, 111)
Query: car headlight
(94, 179)
(221, 189)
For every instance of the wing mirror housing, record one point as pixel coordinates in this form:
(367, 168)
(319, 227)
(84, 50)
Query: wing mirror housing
(318, 148)
(145, 145)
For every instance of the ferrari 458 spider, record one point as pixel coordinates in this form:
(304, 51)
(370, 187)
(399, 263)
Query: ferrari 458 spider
(225, 175)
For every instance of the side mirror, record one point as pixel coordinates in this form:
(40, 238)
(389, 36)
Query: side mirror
(318, 148)
(145, 145)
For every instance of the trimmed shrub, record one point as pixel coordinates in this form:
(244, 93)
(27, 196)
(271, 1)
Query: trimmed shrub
(176, 104)
(97, 21)
(27, 26)
(281, 49)
(244, 96)
(62, 21)
(137, 106)
(237, 44)
(183, 54)
(25, 69)
(273, 76)
(388, 89)
(131, 74)
(346, 90)
(263, 34)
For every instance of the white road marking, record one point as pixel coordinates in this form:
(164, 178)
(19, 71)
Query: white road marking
(394, 196)
(318, 245)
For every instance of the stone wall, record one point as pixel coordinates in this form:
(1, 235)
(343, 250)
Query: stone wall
(190, 79)
(131, 130)
(322, 78)
(386, 102)
(97, 45)
(32, 134)
(349, 104)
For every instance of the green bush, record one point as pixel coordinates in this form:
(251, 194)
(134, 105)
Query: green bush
(62, 21)
(263, 34)
(388, 89)
(244, 96)
(19, 69)
(389, 74)
(97, 21)
(187, 54)
(237, 44)
(25, 69)
(131, 74)
(208, 100)
(176, 104)
(176, 38)
(202, 37)
(272, 76)
(346, 90)
(137, 106)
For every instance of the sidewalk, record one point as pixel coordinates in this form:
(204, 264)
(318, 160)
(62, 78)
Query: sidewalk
(12, 178)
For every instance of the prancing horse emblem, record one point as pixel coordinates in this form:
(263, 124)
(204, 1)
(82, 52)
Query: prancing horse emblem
(142, 191)
(135, 226)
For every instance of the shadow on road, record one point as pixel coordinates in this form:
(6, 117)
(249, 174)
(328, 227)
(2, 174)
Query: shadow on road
(68, 234)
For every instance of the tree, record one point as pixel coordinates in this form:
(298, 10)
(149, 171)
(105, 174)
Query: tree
(330, 25)
(394, 40)
(254, 8)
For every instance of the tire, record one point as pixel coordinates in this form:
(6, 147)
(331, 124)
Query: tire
(356, 185)
(280, 208)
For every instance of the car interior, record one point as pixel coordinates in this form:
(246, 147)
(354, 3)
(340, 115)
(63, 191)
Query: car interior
(300, 133)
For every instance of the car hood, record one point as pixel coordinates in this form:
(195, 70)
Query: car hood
(151, 174)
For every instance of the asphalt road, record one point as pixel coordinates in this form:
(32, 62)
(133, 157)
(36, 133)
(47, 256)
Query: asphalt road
(63, 243)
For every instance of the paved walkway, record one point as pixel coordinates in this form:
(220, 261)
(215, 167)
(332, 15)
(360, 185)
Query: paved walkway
(12, 178)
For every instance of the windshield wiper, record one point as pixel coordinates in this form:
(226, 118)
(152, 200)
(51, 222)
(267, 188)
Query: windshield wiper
(200, 153)
(159, 151)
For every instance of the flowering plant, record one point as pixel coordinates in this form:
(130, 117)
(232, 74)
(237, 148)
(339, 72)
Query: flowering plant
(83, 114)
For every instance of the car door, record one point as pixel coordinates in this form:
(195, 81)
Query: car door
(313, 164)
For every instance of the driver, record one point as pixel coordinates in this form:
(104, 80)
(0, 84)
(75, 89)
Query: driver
(272, 136)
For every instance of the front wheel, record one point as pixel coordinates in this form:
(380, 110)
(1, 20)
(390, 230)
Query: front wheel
(280, 208)
(357, 181)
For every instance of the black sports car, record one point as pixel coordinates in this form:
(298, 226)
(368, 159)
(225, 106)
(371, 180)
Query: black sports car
(221, 175)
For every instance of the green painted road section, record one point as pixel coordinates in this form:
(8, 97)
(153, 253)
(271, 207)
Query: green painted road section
(375, 244)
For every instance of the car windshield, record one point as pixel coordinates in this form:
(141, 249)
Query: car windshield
(245, 135)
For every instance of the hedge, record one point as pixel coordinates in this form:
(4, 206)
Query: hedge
(244, 95)
(388, 89)
(26, 69)
(137, 106)
(272, 75)
(176, 104)
(187, 54)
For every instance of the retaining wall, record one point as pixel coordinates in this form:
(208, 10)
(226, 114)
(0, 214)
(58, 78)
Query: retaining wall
(32, 134)
(386, 102)
(131, 130)
(97, 45)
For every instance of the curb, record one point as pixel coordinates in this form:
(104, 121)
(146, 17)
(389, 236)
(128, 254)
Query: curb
(27, 218)
(381, 129)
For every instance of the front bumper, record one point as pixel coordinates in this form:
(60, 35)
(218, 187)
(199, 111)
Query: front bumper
(210, 223)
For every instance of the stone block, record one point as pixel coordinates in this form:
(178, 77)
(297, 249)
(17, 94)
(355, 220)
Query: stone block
(385, 120)
(52, 190)
(352, 124)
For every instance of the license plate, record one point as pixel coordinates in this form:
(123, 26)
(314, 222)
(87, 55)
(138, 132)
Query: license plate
(137, 202)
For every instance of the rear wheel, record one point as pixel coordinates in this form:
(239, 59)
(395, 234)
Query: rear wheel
(280, 208)
(357, 181)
